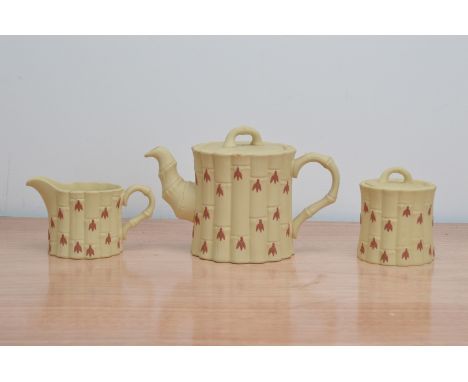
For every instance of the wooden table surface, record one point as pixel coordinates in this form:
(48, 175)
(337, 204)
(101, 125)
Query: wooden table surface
(157, 293)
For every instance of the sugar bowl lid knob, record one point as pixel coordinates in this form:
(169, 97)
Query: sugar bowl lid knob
(385, 177)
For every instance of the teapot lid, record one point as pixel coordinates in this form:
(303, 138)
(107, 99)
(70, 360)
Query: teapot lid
(255, 147)
(405, 184)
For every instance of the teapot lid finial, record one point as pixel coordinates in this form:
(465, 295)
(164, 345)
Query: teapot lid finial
(255, 147)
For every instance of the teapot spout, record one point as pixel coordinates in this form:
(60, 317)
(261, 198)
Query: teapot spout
(180, 194)
(47, 189)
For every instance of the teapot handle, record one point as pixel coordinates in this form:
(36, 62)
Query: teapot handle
(143, 215)
(230, 140)
(330, 198)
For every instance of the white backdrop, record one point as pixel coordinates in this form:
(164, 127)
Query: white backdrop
(88, 108)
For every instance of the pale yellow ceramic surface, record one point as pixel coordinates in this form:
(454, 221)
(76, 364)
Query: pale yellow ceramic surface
(396, 220)
(85, 218)
(241, 201)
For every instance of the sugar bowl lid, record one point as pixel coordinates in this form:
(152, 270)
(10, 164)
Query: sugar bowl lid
(256, 146)
(405, 184)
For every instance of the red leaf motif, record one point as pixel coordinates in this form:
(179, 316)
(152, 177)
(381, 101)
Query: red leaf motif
(241, 244)
(259, 226)
(204, 248)
(272, 250)
(420, 219)
(108, 239)
(276, 215)
(388, 227)
(77, 248)
(219, 191)
(60, 214)
(366, 209)
(288, 231)
(63, 240)
(420, 245)
(407, 212)
(105, 214)
(92, 226)
(220, 236)
(78, 206)
(373, 244)
(384, 257)
(237, 174)
(372, 217)
(196, 219)
(274, 178)
(52, 224)
(362, 250)
(206, 176)
(286, 188)
(257, 186)
(90, 251)
(405, 254)
(206, 214)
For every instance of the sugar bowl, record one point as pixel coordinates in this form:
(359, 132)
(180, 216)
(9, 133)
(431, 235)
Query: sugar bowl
(396, 220)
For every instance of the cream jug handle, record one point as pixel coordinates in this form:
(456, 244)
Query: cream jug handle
(230, 140)
(143, 215)
(330, 198)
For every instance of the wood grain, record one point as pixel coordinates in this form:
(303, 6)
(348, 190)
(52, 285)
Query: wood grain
(157, 293)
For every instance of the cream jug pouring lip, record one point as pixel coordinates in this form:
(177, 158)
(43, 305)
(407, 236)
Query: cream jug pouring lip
(44, 182)
(46, 188)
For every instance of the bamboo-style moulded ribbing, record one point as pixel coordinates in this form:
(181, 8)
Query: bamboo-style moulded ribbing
(396, 221)
(85, 225)
(243, 208)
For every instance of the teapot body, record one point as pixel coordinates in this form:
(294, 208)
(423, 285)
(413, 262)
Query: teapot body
(243, 207)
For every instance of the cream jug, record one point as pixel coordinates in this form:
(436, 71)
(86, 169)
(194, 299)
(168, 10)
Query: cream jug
(85, 218)
(241, 201)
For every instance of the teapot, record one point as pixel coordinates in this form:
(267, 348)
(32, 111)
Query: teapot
(241, 201)
(85, 218)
